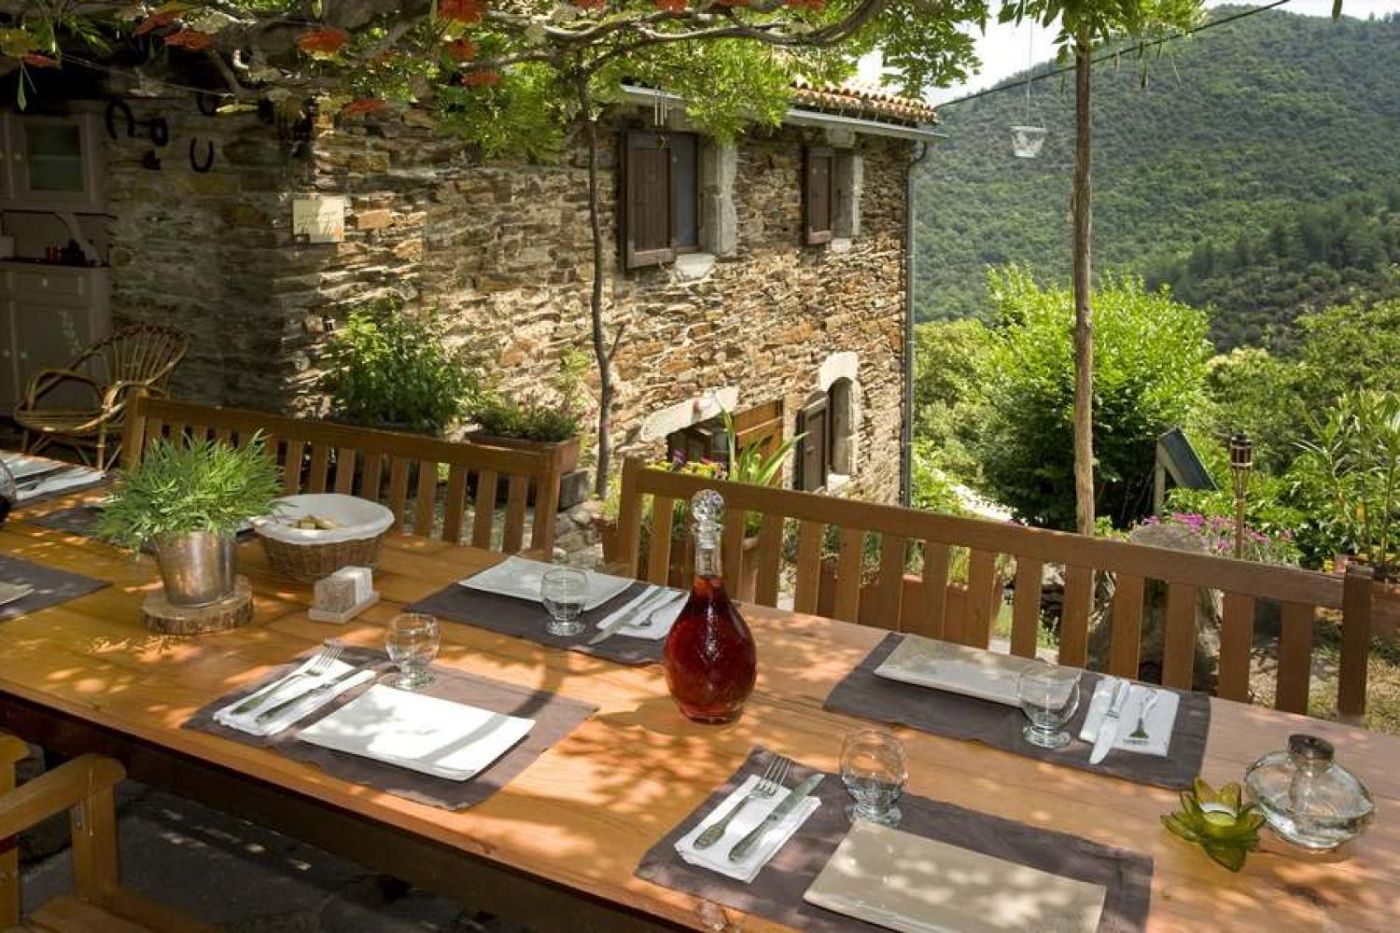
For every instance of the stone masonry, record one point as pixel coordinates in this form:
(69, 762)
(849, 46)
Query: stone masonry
(502, 251)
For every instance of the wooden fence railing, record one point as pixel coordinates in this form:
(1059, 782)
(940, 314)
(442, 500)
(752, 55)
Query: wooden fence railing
(1301, 594)
(382, 466)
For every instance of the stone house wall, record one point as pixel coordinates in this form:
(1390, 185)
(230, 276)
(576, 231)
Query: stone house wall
(502, 251)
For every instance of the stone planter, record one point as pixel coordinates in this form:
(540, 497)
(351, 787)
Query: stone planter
(197, 568)
(567, 451)
(957, 605)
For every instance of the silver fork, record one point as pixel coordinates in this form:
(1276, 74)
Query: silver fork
(321, 663)
(767, 786)
(1139, 735)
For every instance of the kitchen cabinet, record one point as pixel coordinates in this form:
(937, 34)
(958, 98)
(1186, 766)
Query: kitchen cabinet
(48, 315)
(53, 163)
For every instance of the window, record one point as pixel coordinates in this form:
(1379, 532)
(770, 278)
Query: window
(819, 195)
(660, 207)
(704, 440)
(827, 451)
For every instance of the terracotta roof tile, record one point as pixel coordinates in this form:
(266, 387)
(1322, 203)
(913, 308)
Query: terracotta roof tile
(864, 102)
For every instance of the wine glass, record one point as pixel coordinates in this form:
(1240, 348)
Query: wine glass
(563, 592)
(1049, 695)
(9, 492)
(874, 769)
(412, 641)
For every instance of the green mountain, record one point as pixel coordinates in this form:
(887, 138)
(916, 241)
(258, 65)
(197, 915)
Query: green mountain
(1240, 130)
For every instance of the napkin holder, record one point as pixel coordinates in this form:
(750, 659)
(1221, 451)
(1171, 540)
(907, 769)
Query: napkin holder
(343, 595)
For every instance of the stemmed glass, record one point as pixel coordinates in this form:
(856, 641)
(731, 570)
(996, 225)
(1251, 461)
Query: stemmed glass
(563, 592)
(412, 641)
(874, 769)
(1049, 695)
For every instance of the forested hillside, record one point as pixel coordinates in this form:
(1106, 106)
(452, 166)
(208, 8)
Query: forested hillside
(1238, 132)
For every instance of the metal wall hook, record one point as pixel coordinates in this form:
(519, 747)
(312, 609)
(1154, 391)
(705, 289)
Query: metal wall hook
(157, 130)
(208, 163)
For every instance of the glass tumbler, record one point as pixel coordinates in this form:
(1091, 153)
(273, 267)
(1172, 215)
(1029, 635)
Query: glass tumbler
(563, 592)
(412, 641)
(874, 769)
(1049, 695)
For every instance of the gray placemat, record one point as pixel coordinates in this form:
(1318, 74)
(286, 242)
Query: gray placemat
(861, 693)
(776, 894)
(82, 520)
(51, 586)
(526, 619)
(555, 717)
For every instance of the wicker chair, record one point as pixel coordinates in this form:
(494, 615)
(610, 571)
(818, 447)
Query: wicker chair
(135, 360)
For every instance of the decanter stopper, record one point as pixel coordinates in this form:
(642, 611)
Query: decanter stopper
(706, 506)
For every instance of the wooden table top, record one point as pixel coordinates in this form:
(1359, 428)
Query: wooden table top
(585, 812)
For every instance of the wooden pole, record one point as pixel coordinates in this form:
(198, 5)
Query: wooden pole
(1083, 310)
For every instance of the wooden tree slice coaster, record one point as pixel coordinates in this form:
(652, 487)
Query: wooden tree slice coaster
(164, 617)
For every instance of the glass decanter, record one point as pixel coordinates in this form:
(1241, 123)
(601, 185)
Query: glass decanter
(710, 660)
(1306, 796)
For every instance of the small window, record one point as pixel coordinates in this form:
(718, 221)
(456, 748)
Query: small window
(704, 440)
(819, 195)
(660, 204)
(828, 446)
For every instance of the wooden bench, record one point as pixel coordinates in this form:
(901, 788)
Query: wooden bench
(84, 788)
(382, 466)
(922, 605)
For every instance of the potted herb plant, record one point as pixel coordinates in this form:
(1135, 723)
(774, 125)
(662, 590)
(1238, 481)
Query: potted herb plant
(188, 503)
(391, 370)
(529, 424)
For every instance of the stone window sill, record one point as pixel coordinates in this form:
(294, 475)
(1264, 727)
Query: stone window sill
(839, 245)
(836, 481)
(692, 267)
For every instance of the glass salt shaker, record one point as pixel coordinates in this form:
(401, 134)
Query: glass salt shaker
(1307, 797)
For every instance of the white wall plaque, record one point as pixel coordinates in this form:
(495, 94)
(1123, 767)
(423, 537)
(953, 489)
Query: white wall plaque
(319, 219)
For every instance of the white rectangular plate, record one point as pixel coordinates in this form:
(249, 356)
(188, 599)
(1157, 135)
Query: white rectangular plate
(943, 665)
(422, 733)
(913, 884)
(521, 578)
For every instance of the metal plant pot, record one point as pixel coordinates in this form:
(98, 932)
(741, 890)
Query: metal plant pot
(197, 567)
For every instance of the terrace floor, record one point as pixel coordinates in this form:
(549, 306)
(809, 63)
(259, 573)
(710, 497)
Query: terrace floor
(241, 877)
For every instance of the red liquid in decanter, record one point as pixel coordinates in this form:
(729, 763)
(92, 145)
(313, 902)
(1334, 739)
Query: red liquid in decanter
(710, 660)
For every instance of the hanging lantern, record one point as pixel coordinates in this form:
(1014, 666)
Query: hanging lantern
(1026, 141)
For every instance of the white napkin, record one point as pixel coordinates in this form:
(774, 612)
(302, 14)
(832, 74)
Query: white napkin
(63, 479)
(521, 579)
(716, 857)
(449, 740)
(663, 615)
(1159, 721)
(278, 691)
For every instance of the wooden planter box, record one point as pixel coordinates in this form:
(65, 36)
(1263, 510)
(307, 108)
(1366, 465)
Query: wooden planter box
(956, 613)
(567, 451)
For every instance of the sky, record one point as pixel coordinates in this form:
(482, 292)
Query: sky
(1005, 50)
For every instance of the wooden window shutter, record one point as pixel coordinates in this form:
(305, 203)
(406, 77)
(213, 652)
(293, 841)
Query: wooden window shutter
(646, 200)
(818, 194)
(760, 426)
(813, 461)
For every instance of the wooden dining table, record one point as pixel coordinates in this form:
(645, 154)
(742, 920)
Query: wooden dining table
(557, 848)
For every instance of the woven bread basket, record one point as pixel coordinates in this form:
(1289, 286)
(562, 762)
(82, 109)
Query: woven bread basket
(306, 555)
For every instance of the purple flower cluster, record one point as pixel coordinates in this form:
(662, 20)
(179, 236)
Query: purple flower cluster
(1218, 533)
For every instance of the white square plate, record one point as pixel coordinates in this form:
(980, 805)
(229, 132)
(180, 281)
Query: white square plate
(914, 884)
(422, 733)
(943, 665)
(521, 579)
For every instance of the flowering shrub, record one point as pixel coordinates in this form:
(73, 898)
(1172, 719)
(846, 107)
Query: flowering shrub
(1217, 533)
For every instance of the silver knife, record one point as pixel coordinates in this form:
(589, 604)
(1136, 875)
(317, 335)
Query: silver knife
(1108, 729)
(647, 602)
(790, 803)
